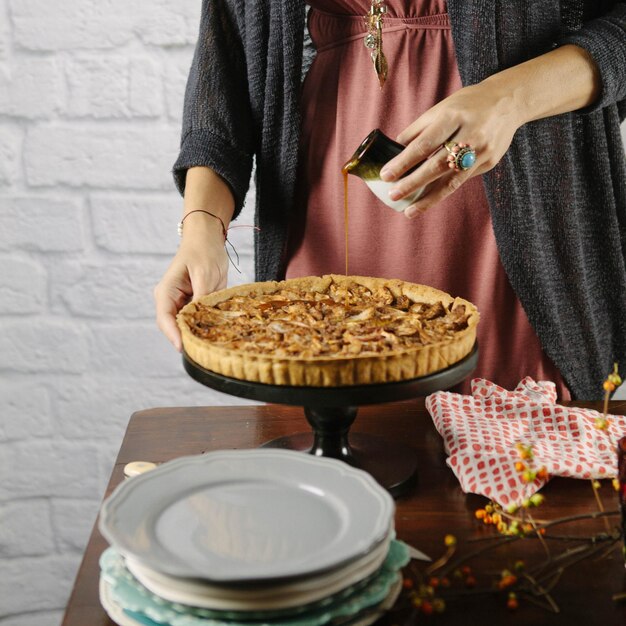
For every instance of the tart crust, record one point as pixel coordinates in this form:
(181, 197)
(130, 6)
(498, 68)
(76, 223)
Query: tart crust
(392, 365)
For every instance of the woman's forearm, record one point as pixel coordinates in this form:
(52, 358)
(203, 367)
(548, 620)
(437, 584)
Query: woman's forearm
(206, 190)
(562, 80)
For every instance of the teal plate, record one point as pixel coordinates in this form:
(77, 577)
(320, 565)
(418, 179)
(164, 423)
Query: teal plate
(147, 608)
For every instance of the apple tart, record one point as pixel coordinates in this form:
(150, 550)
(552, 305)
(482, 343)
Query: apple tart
(328, 331)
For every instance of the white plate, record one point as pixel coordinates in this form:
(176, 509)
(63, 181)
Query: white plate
(282, 596)
(369, 615)
(243, 516)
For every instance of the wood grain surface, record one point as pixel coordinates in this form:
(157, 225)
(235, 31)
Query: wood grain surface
(434, 507)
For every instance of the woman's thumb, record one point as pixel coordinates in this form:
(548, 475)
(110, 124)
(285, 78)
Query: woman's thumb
(205, 281)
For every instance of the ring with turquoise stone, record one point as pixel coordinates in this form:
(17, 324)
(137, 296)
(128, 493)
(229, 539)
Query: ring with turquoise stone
(461, 156)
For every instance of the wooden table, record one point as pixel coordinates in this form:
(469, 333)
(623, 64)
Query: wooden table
(436, 506)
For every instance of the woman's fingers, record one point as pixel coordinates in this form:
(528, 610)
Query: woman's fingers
(418, 126)
(445, 186)
(168, 301)
(417, 151)
(432, 169)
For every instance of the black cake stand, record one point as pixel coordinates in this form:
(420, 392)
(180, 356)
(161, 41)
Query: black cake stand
(331, 411)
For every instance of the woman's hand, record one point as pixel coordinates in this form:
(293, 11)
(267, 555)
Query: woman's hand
(201, 263)
(486, 116)
(199, 267)
(483, 116)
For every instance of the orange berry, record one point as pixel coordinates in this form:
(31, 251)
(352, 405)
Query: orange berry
(427, 607)
(449, 541)
(466, 570)
(608, 385)
(496, 518)
(519, 466)
(433, 582)
(470, 582)
(480, 513)
(407, 583)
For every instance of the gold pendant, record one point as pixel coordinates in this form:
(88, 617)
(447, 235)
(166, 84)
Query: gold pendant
(374, 39)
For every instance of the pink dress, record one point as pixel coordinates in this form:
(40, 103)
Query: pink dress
(452, 246)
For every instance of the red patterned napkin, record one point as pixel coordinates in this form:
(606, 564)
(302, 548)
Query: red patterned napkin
(480, 433)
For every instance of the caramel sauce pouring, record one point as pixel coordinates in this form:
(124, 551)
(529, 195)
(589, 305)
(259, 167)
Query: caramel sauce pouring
(345, 170)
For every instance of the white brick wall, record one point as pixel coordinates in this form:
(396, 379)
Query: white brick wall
(90, 103)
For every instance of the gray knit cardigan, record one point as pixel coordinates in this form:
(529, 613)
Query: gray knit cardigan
(557, 198)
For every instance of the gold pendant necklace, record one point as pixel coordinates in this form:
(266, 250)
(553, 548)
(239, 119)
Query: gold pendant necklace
(374, 39)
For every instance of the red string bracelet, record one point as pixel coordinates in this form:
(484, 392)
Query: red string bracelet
(180, 224)
(180, 233)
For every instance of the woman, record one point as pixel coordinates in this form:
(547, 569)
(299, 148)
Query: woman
(536, 241)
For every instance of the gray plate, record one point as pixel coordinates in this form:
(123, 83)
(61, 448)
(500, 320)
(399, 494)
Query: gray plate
(248, 516)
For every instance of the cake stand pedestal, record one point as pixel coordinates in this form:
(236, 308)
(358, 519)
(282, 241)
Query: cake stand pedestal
(331, 411)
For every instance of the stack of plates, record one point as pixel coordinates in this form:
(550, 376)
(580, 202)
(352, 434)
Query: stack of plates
(250, 536)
